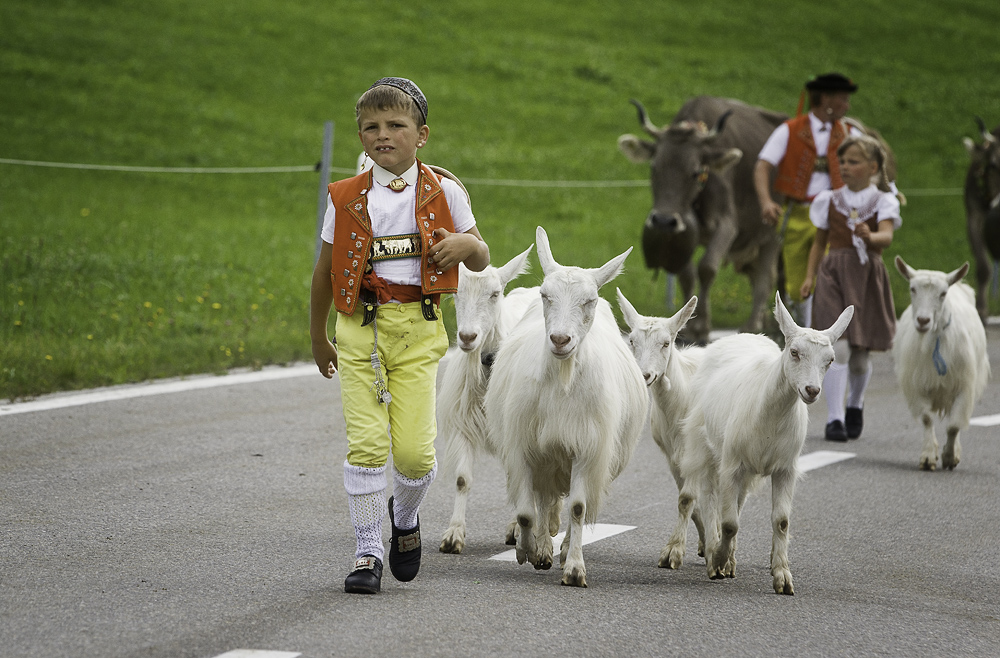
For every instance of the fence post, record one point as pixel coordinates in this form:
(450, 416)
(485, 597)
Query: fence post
(324, 181)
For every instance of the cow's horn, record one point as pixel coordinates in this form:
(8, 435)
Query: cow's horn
(720, 123)
(644, 119)
(987, 135)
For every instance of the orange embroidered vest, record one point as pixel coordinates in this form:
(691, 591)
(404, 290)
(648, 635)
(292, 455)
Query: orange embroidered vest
(796, 168)
(353, 239)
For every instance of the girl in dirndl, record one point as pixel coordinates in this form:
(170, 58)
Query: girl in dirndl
(857, 222)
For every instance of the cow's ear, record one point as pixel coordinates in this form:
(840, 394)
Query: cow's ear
(637, 150)
(721, 159)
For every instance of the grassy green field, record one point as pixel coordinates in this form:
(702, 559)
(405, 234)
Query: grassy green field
(109, 277)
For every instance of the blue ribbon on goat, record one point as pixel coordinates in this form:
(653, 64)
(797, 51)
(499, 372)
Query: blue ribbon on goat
(939, 364)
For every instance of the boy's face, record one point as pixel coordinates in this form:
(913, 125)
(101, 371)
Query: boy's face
(391, 138)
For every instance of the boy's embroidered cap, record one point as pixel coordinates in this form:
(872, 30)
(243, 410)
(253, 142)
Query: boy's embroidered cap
(832, 82)
(409, 88)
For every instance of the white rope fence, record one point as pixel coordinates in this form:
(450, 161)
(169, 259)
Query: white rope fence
(339, 170)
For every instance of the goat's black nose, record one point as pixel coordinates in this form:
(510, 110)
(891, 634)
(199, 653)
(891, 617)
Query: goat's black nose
(559, 340)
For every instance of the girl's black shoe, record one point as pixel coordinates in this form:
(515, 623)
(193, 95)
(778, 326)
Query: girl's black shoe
(366, 577)
(835, 431)
(855, 421)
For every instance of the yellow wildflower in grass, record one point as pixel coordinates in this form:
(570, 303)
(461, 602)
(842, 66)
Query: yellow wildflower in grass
(148, 304)
(216, 306)
(48, 357)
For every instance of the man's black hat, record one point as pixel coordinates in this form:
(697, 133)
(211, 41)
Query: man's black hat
(832, 82)
(410, 88)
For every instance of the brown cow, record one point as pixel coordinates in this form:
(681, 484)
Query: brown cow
(982, 209)
(703, 194)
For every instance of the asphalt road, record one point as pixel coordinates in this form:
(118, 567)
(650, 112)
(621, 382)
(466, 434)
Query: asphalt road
(196, 523)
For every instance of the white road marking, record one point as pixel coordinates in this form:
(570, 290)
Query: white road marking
(590, 535)
(255, 653)
(59, 401)
(986, 421)
(822, 458)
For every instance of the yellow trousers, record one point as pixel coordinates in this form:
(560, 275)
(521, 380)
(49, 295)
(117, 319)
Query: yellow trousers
(409, 349)
(798, 240)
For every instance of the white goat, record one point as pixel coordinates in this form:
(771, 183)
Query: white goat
(565, 407)
(668, 372)
(483, 317)
(748, 420)
(940, 356)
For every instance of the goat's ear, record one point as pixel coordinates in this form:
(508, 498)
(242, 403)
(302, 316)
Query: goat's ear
(840, 326)
(628, 311)
(636, 150)
(544, 252)
(515, 267)
(682, 316)
(784, 318)
(904, 269)
(611, 269)
(958, 275)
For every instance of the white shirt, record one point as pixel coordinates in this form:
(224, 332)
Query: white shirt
(777, 145)
(394, 213)
(887, 206)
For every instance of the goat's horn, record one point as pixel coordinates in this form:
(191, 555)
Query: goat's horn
(644, 119)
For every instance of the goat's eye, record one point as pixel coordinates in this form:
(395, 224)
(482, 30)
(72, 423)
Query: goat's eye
(496, 293)
(666, 345)
(944, 294)
(795, 354)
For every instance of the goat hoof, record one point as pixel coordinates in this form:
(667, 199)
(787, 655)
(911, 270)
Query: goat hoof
(452, 542)
(543, 564)
(454, 547)
(511, 538)
(575, 577)
(927, 465)
(671, 559)
(783, 583)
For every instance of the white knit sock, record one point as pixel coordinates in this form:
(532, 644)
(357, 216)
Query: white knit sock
(407, 495)
(366, 498)
(857, 384)
(807, 311)
(834, 388)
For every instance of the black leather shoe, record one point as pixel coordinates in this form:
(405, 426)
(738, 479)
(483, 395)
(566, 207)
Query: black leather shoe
(404, 550)
(365, 577)
(855, 422)
(835, 431)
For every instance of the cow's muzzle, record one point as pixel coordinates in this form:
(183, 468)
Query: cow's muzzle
(669, 222)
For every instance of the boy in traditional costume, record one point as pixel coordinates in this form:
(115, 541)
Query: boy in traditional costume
(392, 239)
